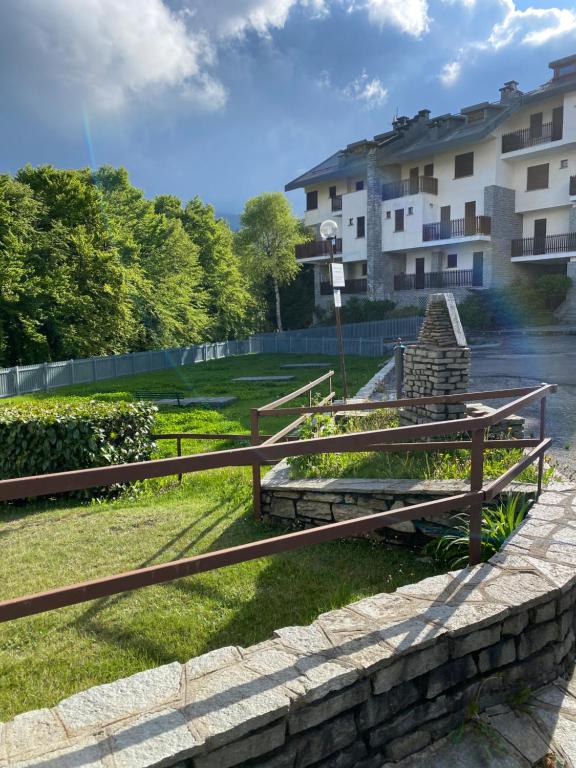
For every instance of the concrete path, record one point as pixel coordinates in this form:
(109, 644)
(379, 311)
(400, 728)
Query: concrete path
(527, 361)
(540, 732)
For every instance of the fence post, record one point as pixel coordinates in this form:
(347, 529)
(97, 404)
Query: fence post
(72, 372)
(256, 480)
(93, 369)
(542, 436)
(476, 482)
(45, 376)
(132, 356)
(115, 366)
(399, 366)
(179, 451)
(166, 358)
(16, 377)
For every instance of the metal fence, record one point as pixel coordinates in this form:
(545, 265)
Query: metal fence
(362, 339)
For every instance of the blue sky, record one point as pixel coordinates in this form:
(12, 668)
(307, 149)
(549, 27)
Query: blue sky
(229, 98)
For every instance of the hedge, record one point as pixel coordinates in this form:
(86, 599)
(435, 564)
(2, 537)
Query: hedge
(38, 437)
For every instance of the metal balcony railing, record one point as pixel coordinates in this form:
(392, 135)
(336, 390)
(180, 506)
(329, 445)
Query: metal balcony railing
(358, 285)
(316, 248)
(413, 186)
(535, 246)
(336, 203)
(529, 137)
(453, 278)
(447, 230)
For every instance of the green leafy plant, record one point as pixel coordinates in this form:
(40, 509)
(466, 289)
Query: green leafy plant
(498, 523)
(38, 437)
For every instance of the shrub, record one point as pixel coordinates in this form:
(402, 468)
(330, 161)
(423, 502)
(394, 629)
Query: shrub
(38, 437)
(357, 310)
(552, 290)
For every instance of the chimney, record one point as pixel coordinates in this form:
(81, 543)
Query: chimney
(509, 92)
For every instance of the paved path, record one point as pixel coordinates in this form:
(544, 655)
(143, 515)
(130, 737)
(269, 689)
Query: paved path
(525, 361)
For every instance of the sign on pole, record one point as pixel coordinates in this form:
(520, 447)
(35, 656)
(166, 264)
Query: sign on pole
(337, 275)
(337, 298)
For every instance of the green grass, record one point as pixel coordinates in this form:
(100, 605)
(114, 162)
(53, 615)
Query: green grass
(49, 656)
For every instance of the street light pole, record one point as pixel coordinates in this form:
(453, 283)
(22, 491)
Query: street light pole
(338, 326)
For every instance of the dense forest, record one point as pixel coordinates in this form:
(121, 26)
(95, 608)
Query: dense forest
(89, 266)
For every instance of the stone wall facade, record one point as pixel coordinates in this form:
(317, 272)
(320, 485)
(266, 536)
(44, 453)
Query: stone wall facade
(361, 687)
(500, 205)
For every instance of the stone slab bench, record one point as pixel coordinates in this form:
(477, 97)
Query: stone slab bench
(263, 378)
(364, 685)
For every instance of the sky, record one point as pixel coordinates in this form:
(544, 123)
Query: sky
(231, 98)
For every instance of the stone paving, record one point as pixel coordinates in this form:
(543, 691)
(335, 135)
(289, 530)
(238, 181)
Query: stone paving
(363, 686)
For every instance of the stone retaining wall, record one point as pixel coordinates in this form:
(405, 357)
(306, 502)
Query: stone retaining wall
(317, 501)
(361, 687)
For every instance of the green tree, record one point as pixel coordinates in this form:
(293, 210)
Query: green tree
(267, 237)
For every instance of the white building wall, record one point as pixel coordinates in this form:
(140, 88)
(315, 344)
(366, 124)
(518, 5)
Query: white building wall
(354, 205)
(464, 252)
(556, 221)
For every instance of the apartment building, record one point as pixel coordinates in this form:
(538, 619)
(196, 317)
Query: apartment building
(461, 202)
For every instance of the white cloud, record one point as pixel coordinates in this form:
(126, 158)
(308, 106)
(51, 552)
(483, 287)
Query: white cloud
(532, 26)
(450, 73)
(366, 90)
(233, 18)
(409, 16)
(105, 53)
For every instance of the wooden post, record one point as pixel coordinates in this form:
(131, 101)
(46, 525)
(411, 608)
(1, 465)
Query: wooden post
(179, 451)
(45, 376)
(16, 375)
(256, 480)
(476, 482)
(542, 436)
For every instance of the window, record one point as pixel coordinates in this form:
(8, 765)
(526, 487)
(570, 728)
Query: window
(537, 177)
(360, 226)
(429, 169)
(452, 260)
(463, 165)
(563, 163)
(388, 214)
(311, 200)
(410, 210)
(350, 222)
(332, 192)
(399, 220)
(359, 186)
(364, 269)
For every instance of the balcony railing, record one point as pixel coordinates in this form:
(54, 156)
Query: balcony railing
(317, 248)
(572, 186)
(359, 285)
(447, 230)
(536, 246)
(454, 278)
(411, 186)
(337, 203)
(529, 137)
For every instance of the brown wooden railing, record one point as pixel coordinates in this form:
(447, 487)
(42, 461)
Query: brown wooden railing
(337, 203)
(412, 186)
(453, 278)
(446, 230)
(317, 248)
(528, 137)
(387, 440)
(358, 285)
(535, 246)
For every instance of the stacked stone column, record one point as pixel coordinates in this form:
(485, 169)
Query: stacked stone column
(438, 364)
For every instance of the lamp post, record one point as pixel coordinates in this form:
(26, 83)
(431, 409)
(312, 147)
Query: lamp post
(328, 231)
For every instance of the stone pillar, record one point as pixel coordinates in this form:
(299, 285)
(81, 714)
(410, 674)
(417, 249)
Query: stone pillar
(500, 205)
(379, 266)
(438, 364)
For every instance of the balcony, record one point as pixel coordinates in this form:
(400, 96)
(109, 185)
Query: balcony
(453, 278)
(359, 285)
(413, 186)
(540, 246)
(528, 137)
(457, 228)
(336, 203)
(317, 248)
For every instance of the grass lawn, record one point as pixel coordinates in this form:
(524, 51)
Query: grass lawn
(52, 655)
